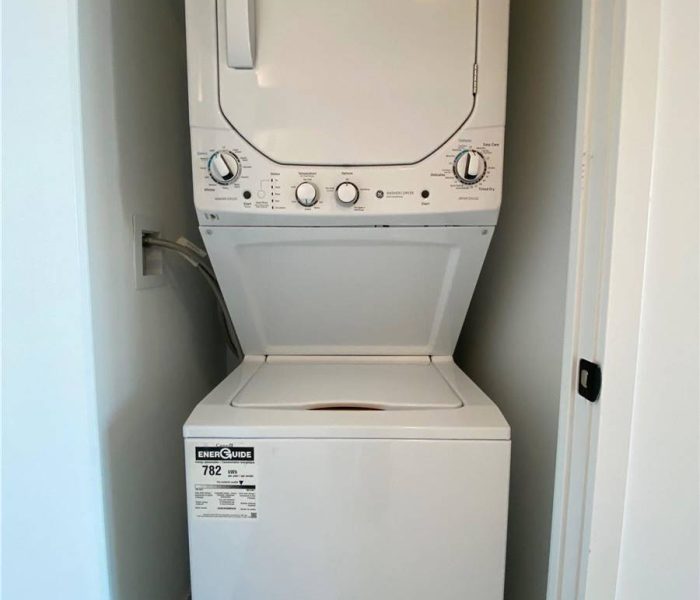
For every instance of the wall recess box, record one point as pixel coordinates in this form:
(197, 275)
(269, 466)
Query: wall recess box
(148, 262)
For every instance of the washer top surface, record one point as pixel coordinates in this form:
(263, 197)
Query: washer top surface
(327, 384)
(347, 397)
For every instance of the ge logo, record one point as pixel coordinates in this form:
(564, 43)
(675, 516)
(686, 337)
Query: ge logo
(380, 194)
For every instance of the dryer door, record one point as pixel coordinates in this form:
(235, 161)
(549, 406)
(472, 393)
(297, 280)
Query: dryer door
(332, 82)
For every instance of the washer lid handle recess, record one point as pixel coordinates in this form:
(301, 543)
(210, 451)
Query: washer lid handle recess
(347, 83)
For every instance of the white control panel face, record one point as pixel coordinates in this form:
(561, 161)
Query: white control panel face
(459, 184)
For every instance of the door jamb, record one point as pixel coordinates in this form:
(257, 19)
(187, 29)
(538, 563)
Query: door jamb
(615, 130)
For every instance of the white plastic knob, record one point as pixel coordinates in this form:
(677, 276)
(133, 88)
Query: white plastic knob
(347, 193)
(307, 194)
(224, 167)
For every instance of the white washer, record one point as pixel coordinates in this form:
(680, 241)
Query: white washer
(347, 165)
(406, 501)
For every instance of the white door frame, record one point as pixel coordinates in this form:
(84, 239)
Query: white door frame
(615, 130)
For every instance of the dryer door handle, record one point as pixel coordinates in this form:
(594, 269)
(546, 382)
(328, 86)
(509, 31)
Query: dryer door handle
(240, 33)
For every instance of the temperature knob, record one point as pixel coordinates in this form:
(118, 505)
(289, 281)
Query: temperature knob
(307, 194)
(347, 193)
(224, 167)
(469, 166)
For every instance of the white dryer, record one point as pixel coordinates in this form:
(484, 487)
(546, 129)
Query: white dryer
(347, 161)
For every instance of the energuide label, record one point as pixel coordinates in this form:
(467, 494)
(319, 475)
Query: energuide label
(225, 482)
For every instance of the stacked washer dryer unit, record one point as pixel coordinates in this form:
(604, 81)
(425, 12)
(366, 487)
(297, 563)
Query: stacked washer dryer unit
(347, 161)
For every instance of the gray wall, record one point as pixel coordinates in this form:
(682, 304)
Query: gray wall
(511, 344)
(159, 350)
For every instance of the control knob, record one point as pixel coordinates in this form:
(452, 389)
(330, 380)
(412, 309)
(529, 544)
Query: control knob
(347, 193)
(469, 166)
(306, 194)
(224, 167)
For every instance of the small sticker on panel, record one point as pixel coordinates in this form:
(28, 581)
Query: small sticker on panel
(225, 482)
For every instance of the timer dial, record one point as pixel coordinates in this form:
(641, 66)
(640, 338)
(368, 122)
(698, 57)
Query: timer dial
(224, 167)
(469, 166)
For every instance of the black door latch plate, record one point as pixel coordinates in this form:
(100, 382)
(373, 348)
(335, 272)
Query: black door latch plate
(590, 379)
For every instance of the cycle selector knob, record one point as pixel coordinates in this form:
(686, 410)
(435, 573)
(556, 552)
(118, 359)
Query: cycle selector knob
(347, 193)
(307, 194)
(224, 167)
(469, 166)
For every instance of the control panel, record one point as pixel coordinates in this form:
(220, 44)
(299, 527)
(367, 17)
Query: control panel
(460, 183)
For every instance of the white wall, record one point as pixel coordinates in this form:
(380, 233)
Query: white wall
(512, 340)
(52, 530)
(97, 376)
(660, 539)
(157, 351)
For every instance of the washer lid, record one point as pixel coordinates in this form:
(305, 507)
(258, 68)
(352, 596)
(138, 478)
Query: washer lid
(327, 383)
(382, 291)
(347, 83)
